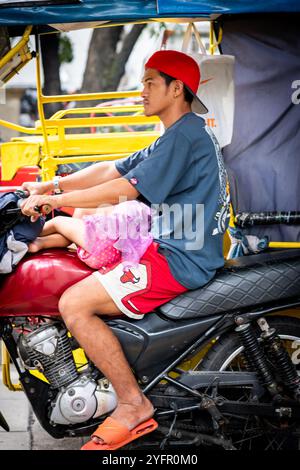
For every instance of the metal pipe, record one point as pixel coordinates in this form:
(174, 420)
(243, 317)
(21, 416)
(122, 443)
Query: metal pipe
(10, 54)
(16, 127)
(39, 98)
(284, 245)
(90, 96)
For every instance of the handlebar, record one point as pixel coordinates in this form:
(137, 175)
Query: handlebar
(45, 209)
(12, 214)
(249, 219)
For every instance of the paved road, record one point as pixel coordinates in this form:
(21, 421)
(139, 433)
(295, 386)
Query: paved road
(25, 431)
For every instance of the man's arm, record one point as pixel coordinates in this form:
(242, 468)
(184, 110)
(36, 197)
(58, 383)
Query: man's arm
(94, 175)
(110, 192)
(82, 179)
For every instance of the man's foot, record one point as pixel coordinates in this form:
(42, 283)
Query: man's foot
(131, 414)
(35, 246)
(115, 435)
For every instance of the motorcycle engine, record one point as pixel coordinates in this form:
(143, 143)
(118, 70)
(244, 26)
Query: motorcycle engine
(79, 396)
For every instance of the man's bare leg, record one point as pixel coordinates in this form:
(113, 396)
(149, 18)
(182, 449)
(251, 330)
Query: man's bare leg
(80, 307)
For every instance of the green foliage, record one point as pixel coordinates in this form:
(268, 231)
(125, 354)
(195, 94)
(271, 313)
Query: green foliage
(65, 50)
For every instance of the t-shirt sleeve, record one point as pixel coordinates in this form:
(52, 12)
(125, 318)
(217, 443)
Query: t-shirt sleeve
(124, 165)
(157, 175)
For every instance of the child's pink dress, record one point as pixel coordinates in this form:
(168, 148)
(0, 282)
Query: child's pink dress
(122, 234)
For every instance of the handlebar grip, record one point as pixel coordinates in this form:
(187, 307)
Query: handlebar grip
(45, 209)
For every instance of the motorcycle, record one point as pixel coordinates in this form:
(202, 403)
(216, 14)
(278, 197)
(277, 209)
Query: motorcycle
(220, 364)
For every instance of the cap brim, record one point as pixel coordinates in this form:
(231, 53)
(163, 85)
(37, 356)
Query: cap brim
(197, 106)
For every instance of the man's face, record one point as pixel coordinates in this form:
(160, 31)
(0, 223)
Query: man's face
(157, 96)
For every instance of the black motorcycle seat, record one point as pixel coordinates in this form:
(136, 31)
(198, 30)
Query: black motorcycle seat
(244, 282)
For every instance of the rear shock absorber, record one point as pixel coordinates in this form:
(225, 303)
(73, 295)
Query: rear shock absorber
(280, 358)
(255, 357)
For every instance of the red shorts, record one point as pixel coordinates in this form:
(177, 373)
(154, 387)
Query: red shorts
(141, 289)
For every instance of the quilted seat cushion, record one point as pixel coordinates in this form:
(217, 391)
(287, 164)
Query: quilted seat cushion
(243, 282)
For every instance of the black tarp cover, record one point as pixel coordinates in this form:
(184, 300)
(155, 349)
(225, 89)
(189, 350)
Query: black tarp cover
(264, 156)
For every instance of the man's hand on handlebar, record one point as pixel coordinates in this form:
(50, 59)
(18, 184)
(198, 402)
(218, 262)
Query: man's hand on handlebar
(37, 187)
(36, 205)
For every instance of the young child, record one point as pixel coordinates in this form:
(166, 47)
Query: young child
(114, 233)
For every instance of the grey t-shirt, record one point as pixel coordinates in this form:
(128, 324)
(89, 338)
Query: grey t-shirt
(182, 176)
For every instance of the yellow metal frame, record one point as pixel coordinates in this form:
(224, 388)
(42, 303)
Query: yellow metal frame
(50, 164)
(18, 128)
(48, 144)
(213, 43)
(20, 48)
(81, 122)
(284, 245)
(6, 376)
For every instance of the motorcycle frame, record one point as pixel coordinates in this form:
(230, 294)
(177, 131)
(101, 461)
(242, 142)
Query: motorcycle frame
(35, 388)
(222, 325)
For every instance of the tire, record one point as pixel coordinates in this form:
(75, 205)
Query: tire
(253, 432)
(219, 355)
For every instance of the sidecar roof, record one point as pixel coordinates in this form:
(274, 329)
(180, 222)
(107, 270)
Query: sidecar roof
(50, 12)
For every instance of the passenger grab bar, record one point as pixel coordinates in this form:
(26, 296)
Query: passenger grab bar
(248, 219)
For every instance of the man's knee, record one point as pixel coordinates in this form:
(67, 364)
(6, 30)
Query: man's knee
(70, 307)
(75, 307)
(63, 304)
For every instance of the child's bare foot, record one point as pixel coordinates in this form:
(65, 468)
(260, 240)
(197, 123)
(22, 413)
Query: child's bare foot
(35, 246)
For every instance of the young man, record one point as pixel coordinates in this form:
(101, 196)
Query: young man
(183, 175)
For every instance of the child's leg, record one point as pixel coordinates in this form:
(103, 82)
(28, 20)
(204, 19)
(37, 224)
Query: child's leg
(51, 226)
(72, 229)
(55, 240)
(66, 230)
(80, 213)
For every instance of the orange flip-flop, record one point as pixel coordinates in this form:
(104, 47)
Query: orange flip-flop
(115, 435)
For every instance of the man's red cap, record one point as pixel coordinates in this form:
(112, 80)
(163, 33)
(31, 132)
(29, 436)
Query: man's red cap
(181, 67)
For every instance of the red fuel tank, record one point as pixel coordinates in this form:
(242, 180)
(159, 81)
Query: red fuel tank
(39, 280)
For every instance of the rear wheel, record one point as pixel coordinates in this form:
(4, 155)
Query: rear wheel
(249, 432)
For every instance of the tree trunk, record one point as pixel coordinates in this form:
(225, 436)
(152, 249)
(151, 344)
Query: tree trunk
(4, 41)
(105, 66)
(52, 86)
(102, 51)
(128, 44)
